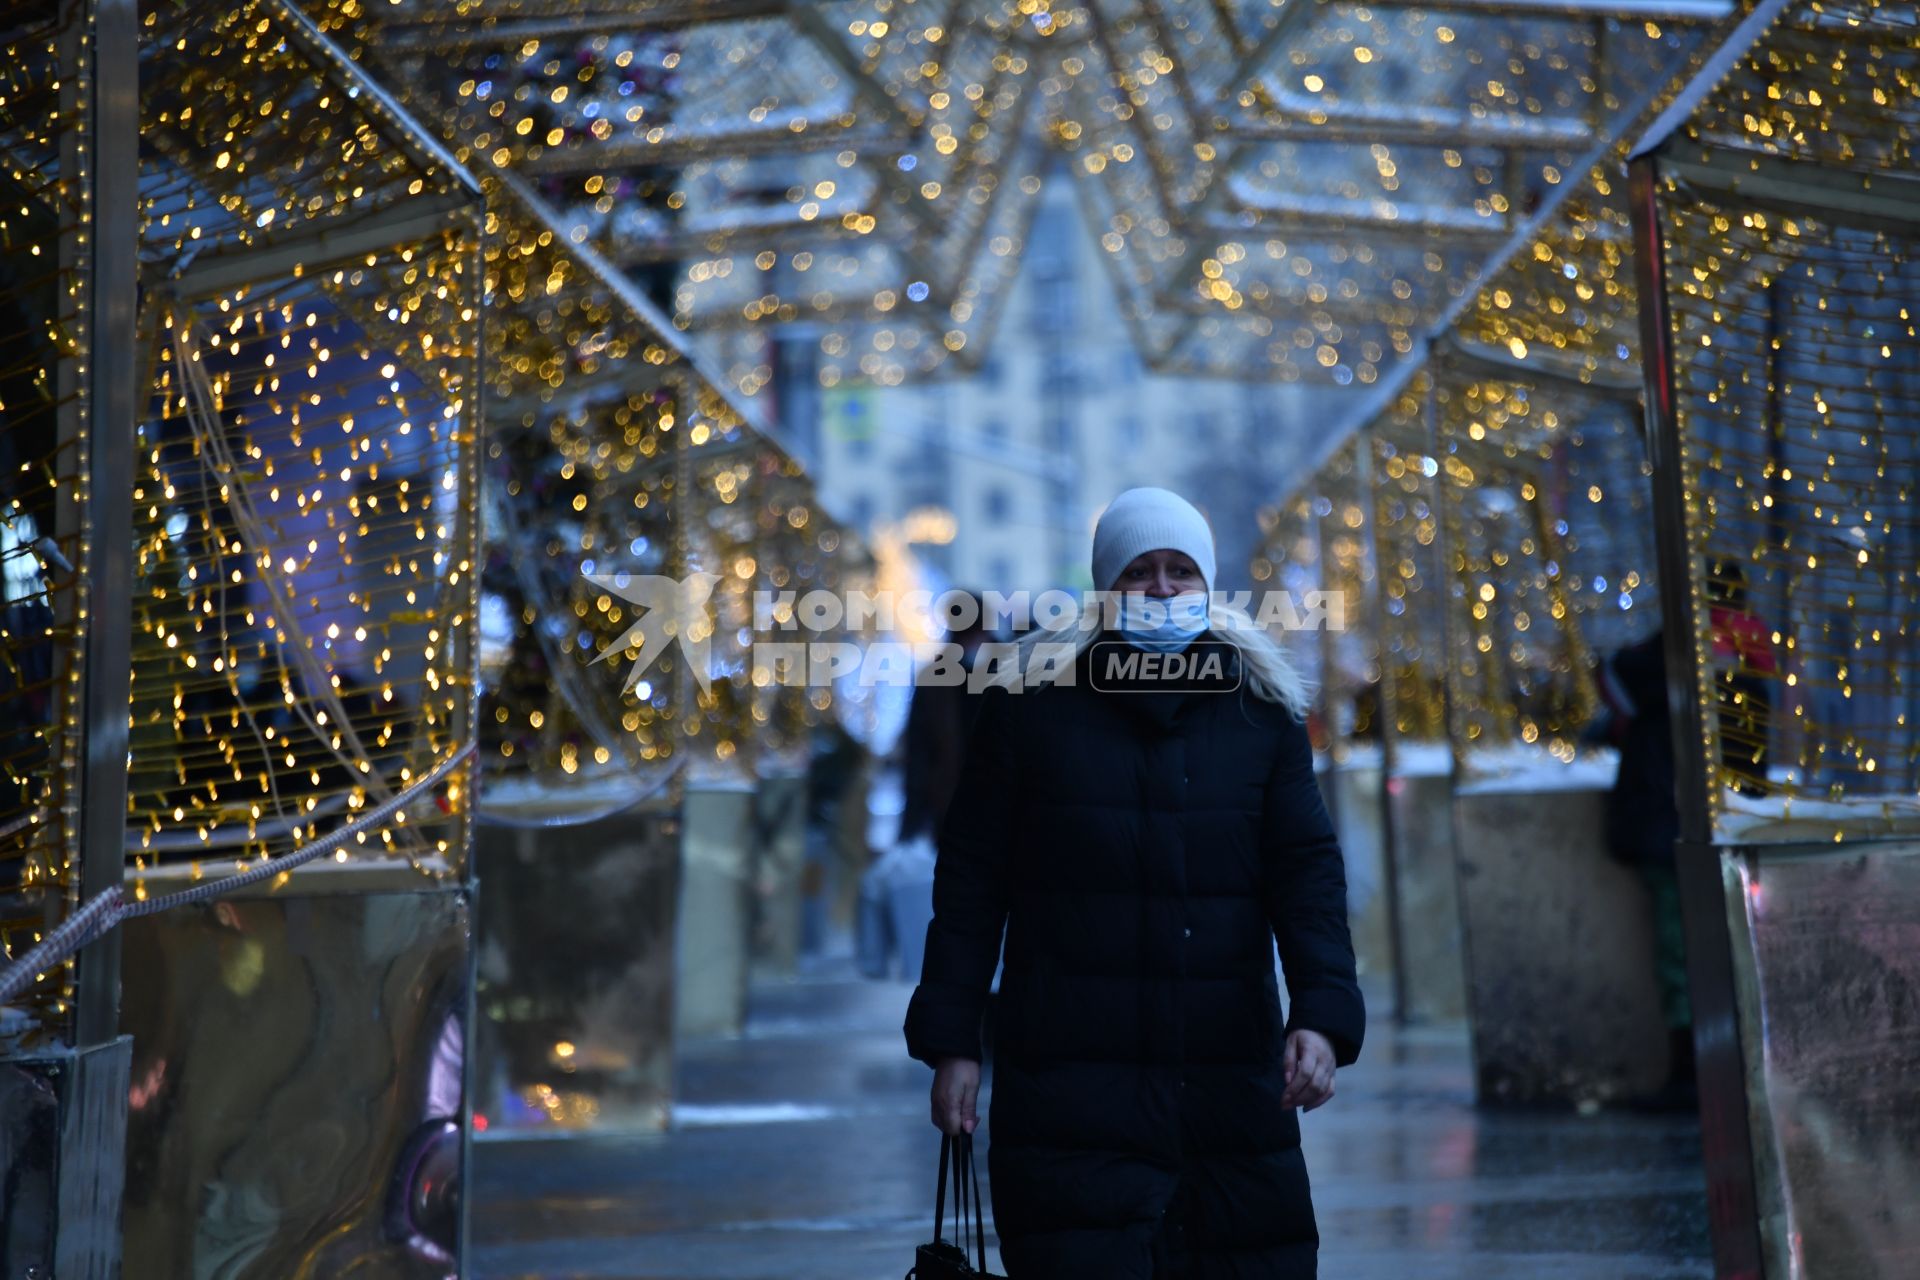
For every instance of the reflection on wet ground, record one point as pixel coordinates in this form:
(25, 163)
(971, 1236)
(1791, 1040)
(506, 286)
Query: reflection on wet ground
(802, 1152)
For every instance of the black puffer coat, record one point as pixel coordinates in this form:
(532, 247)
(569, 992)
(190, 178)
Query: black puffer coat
(1143, 851)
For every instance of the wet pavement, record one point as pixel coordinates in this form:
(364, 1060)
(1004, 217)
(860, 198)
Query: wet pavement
(802, 1151)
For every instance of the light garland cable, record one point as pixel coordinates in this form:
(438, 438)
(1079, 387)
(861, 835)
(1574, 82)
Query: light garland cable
(1798, 484)
(679, 166)
(597, 448)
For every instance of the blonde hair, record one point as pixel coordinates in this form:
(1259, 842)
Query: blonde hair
(1270, 674)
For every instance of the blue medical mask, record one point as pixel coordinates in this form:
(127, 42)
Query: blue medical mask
(1161, 626)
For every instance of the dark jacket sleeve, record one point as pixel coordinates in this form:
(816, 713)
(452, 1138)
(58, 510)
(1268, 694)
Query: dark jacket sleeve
(1306, 885)
(969, 896)
(916, 810)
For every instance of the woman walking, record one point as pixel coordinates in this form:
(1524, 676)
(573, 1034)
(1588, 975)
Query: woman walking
(1143, 844)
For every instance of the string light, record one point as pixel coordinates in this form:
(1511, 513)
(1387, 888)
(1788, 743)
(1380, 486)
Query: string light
(308, 583)
(1531, 400)
(1544, 578)
(308, 460)
(1406, 525)
(1791, 353)
(1791, 475)
(1345, 201)
(599, 438)
(1290, 203)
(45, 443)
(1367, 527)
(1536, 413)
(303, 482)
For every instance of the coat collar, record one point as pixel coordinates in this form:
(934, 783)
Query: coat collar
(1158, 709)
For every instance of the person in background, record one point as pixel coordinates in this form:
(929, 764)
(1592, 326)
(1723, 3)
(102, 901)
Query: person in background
(1142, 846)
(833, 767)
(896, 893)
(1642, 825)
(939, 723)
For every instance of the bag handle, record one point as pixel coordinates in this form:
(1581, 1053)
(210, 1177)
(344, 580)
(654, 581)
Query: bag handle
(960, 1153)
(940, 1192)
(979, 1208)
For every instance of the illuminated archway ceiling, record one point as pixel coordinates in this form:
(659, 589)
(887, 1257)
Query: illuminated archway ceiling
(1283, 190)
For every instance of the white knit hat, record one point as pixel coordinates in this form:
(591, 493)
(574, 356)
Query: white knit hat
(1142, 520)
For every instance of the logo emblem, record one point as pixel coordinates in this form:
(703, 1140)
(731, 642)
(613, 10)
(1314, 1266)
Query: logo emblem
(670, 611)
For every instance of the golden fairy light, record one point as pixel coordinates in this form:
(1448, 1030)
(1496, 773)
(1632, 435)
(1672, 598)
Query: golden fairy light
(1359, 165)
(1516, 448)
(304, 480)
(45, 442)
(1788, 286)
(1321, 542)
(610, 453)
(319, 273)
(1550, 547)
(1278, 195)
(597, 423)
(1405, 523)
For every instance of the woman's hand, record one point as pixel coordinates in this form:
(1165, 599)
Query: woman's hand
(956, 1085)
(1309, 1067)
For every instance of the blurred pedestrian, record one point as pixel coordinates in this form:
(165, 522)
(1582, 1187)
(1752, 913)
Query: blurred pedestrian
(833, 767)
(939, 723)
(1642, 824)
(1143, 844)
(896, 894)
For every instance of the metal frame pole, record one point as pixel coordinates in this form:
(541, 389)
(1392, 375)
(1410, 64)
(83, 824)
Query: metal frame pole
(1444, 541)
(1664, 449)
(1443, 550)
(1324, 695)
(1386, 708)
(110, 166)
(466, 726)
(1725, 1114)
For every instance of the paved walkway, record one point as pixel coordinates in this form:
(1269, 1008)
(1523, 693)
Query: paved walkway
(802, 1152)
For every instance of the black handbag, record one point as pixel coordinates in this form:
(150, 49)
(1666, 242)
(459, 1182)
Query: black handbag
(942, 1260)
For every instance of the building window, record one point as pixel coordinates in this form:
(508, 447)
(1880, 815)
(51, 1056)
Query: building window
(1000, 574)
(1054, 310)
(997, 505)
(1054, 289)
(1058, 432)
